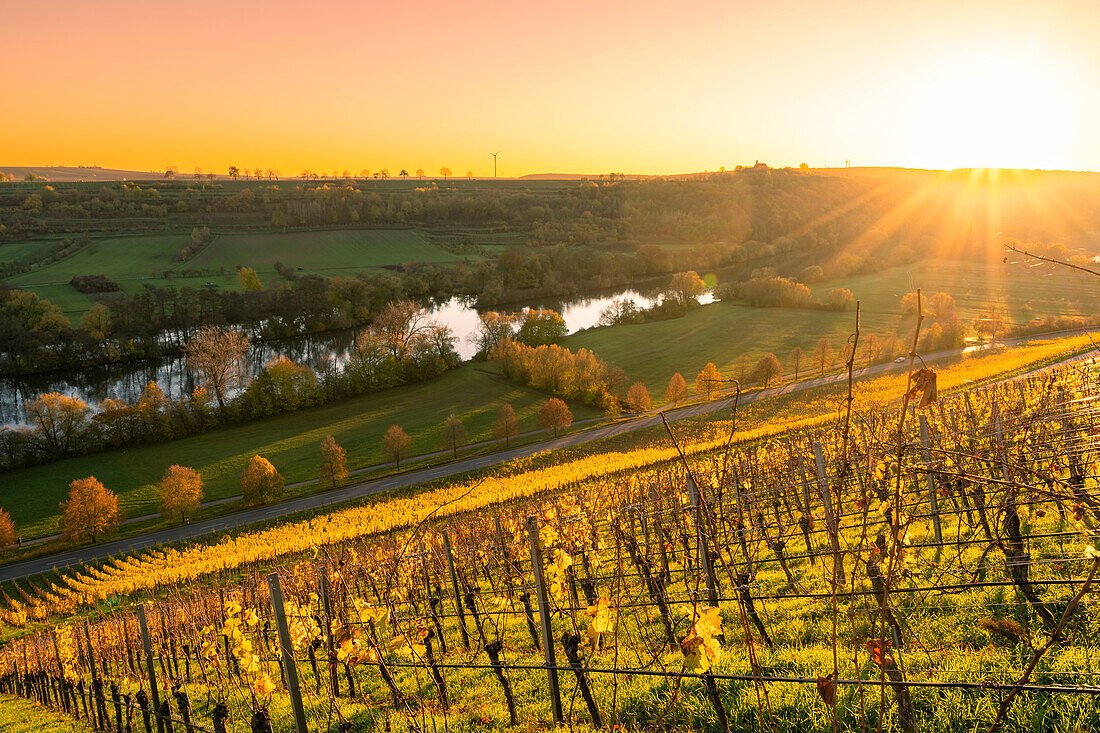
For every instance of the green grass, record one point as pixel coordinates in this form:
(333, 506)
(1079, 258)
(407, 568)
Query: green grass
(136, 261)
(324, 252)
(719, 333)
(1019, 293)
(18, 715)
(291, 442)
(723, 332)
(119, 258)
(12, 251)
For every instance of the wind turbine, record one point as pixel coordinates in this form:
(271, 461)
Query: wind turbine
(495, 162)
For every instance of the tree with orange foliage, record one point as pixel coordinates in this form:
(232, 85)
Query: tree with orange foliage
(506, 426)
(637, 398)
(395, 444)
(554, 415)
(180, 491)
(677, 388)
(90, 511)
(260, 482)
(7, 530)
(708, 381)
(334, 461)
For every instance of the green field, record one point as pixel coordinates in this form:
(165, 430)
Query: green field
(327, 252)
(120, 258)
(136, 261)
(723, 332)
(13, 251)
(291, 442)
(1019, 292)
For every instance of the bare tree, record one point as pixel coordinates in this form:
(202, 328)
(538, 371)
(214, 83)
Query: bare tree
(400, 324)
(797, 356)
(823, 354)
(219, 356)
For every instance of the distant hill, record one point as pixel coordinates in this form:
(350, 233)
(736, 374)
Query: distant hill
(78, 173)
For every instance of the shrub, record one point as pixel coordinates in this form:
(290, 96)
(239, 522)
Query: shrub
(94, 284)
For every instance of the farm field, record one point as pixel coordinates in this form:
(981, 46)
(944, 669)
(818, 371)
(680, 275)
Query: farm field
(291, 442)
(135, 261)
(12, 251)
(340, 252)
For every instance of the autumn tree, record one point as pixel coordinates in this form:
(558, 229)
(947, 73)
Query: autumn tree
(445, 172)
(420, 173)
(90, 511)
(249, 280)
(708, 381)
(823, 354)
(891, 346)
(180, 491)
(637, 398)
(797, 355)
(840, 299)
(554, 415)
(454, 434)
(58, 421)
(493, 328)
(96, 322)
(8, 535)
(334, 461)
(506, 425)
(871, 347)
(541, 327)
(677, 388)
(260, 482)
(218, 356)
(686, 286)
(768, 368)
(400, 324)
(395, 444)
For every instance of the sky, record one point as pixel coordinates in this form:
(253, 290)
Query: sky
(564, 86)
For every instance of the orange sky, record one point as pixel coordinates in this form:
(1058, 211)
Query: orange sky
(557, 86)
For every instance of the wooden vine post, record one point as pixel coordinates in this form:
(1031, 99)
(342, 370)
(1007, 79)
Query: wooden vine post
(701, 537)
(287, 649)
(831, 523)
(933, 504)
(455, 591)
(150, 671)
(544, 617)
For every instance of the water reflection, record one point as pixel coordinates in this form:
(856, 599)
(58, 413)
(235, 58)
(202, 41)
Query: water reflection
(126, 381)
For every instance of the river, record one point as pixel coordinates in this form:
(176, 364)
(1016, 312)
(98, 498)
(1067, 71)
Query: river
(125, 381)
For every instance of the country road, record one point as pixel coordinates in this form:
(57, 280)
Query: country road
(199, 529)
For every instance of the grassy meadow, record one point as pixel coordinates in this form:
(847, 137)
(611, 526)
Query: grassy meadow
(136, 261)
(723, 332)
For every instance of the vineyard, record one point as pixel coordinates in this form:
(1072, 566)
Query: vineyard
(925, 567)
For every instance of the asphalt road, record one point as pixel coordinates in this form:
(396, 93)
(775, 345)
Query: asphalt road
(78, 555)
